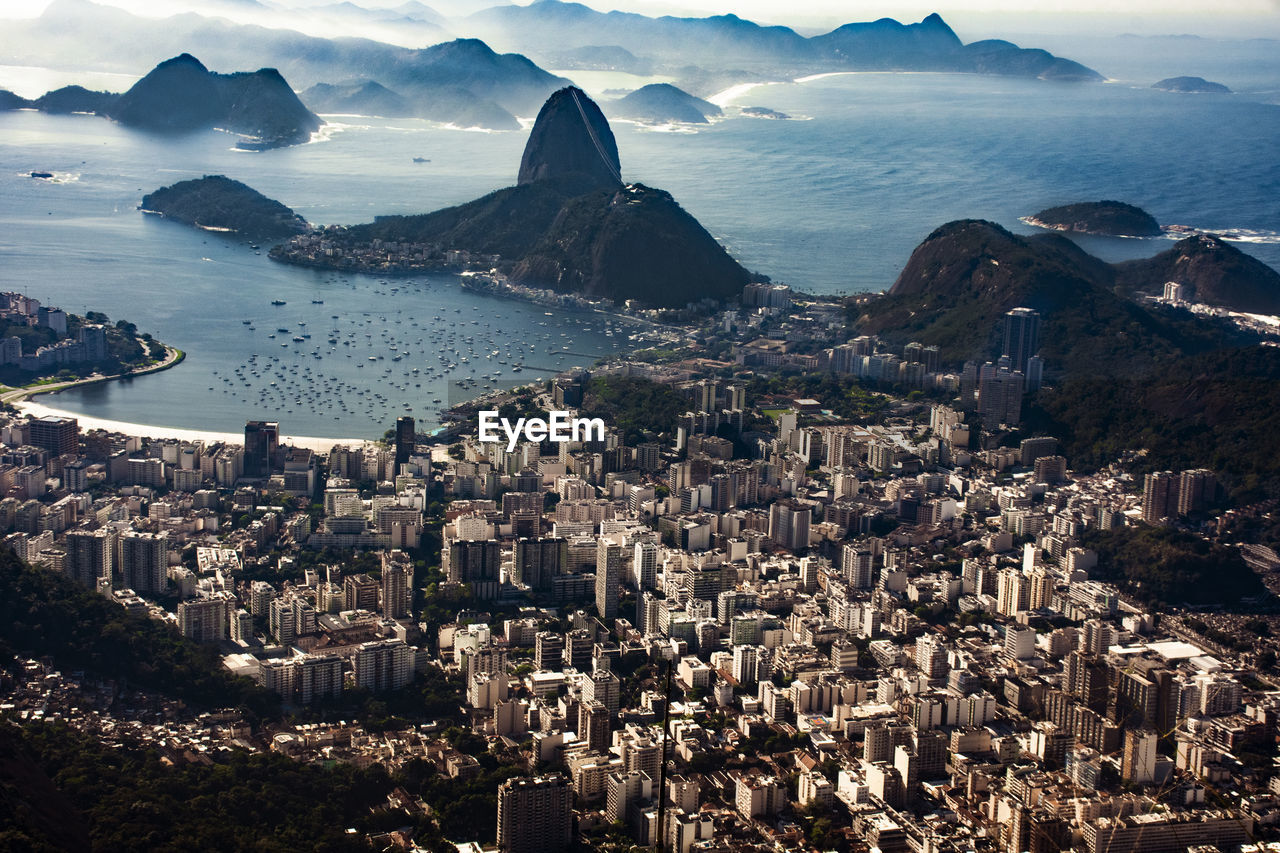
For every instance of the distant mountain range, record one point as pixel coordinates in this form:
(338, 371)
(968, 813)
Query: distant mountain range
(465, 82)
(729, 41)
(462, 82)
(181, 95)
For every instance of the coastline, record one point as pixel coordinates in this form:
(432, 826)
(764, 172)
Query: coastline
(88, 422)
(23, 400)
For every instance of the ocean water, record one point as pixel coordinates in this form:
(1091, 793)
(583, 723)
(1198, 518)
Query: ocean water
(831, 201)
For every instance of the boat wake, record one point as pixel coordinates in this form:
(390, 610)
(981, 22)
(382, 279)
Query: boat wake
(1180, 232)
(1231, 235)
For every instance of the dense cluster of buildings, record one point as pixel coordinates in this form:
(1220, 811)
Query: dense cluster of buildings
(782, 631)
(89, 344)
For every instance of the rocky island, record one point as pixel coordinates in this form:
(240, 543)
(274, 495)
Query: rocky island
(763, 112)
(1189, 85)
(1108, 218)
(570, 224)
(180, 95)
(217, 203)
(662, 102)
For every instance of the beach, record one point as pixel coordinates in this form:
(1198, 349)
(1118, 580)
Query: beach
(40, 410)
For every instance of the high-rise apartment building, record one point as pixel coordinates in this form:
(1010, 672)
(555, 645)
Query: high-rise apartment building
(534, 814)
(261, 440)
(608, 578)
(1021, 337)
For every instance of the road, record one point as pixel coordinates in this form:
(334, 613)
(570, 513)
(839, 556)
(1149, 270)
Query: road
(12, 395)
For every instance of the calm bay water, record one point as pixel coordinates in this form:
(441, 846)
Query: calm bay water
(830, 202)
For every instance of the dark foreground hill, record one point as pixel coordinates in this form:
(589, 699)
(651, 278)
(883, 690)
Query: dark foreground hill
(1212, 270)
(961, 280)
(1123, 375)
(219, 203)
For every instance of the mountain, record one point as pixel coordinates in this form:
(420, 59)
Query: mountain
(216, 202)
(995, 56)
(571, 137)
(1114, 218)
(75, 99)
(886, 43)
(601, 58)
(180, 94)
(451, 82)
(631, 243)
(534, 27)
(1213, 410)
(662, 102)
(727, 41)
(10, 101)
(962, 279)
(365, 98)
(1214, 271)
(1190, 84)
(569, 224)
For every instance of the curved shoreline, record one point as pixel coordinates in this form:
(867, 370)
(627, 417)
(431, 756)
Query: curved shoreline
(315, 443)
(23, 400)
(173, 356)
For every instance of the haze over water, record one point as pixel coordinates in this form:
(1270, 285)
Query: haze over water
(831, 202)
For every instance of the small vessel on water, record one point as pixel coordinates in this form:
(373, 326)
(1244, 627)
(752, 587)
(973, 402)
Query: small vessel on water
(277, 302)
(421, 160)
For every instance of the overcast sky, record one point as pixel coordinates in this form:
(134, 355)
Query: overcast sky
(974, 18)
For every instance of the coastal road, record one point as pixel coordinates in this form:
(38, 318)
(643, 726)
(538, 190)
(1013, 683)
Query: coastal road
(12, 395)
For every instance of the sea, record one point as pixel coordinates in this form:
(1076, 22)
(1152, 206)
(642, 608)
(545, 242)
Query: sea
(831, 200)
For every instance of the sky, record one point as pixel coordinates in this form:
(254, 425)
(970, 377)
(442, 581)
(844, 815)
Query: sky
(1227, 18)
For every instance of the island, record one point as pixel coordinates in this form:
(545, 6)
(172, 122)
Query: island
(180, 95)
(763, 112)
(1190, 85)
(570, 225)
(662, 103)
(218, 203)
(1108, 218)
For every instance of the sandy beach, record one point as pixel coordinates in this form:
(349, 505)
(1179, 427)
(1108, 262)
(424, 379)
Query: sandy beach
(39, 410)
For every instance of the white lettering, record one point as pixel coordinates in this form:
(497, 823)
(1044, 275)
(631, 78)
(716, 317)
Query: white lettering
(588, 425)
(559, 426)
(513, 435)
(489, 426)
